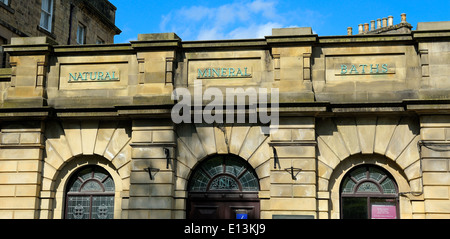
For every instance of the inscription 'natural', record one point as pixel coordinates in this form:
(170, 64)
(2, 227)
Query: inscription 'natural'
(93, 76)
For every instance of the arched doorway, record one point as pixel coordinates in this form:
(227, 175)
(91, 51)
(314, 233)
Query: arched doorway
(223, 187)
(369, 192)
(90, 194)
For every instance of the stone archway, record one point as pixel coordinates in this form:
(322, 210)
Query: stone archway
(345, 142)
(198, 141)
(376, 160)
(70, 145)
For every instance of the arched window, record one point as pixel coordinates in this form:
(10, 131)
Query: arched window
(90, 194)
(368, 191)
(224, 173)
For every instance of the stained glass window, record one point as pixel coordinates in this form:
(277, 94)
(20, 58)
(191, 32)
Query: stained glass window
(368, 187)
(224, 173)
(389, 186)
(368, 179)
(90, 194)
(224, 182)
(249, 181)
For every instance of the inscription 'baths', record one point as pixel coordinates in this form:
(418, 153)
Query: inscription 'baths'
(93, 76)
(364, 69)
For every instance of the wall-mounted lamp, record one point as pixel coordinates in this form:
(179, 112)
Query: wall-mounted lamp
(293, 171)
(276, 162)
(167, 153)
(152, 172)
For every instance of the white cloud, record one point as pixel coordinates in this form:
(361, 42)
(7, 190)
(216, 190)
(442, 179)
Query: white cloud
(195, 13)
(266, 29)
(253, 31)
(235, 20)
(210, 34)
(266, 7)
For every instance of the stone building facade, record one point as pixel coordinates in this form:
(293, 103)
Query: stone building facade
(59, 20)
(363, 127)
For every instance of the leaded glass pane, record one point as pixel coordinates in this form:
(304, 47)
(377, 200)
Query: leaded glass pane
(75, 186)
(359, 174)
(199, 182)
(214, 166)
(348, 186)
(388, 186)
(234, 167)
(224, 183)
(92, 186)
(99, 175)
(249, 182)
(368, 187)
(376, 174)
(78, 207)
(85, 174)
(109, 185)
(102, 207)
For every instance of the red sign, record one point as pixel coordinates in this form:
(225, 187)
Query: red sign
(384, 212)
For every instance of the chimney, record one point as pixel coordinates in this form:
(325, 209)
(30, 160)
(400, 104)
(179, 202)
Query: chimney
(360, 28)
(349, 31)
(403, 17)
(378, 23)
(366, 27)
(372, 25)
(390, 21)
(384, 22)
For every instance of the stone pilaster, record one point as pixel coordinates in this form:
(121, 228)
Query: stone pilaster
(20, 169)
(156, 69)
(435, 155)
(291, 50)
(28, 71)
(153, 146)
(293, 176)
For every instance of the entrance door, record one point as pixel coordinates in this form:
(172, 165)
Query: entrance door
(223, 187)
(223, 209)
(369, 192)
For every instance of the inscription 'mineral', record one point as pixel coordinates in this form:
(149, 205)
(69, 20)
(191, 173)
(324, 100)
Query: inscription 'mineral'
(223, 72)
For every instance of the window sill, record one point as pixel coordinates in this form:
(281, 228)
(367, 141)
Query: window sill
(53, 36)
(7, 7)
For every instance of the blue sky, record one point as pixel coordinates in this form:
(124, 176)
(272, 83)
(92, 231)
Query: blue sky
(242, 19)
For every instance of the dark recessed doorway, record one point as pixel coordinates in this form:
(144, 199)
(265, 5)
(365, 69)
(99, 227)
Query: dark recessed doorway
(223, 187)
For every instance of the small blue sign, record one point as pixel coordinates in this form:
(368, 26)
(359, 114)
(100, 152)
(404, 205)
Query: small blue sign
(241, 216)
